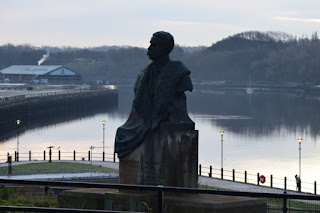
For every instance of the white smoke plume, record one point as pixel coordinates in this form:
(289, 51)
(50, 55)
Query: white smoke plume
(44, 57)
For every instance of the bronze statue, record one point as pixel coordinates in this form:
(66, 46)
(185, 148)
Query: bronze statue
(159, 97)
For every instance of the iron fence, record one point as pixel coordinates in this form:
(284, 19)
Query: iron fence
(274, 202)
(245, 177)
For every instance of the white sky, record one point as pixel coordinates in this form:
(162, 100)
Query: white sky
(87, 23)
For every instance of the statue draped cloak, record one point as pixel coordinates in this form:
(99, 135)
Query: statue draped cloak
(157, 98)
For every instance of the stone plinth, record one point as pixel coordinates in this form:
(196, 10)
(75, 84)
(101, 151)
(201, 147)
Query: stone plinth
(165, 157)
(109, 199)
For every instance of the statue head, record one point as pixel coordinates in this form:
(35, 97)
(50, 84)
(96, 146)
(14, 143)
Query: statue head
(161, 44)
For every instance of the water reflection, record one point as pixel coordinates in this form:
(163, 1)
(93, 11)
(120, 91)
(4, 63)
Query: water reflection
(269, 112)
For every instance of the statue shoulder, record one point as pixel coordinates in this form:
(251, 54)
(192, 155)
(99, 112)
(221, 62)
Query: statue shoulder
(178, 66)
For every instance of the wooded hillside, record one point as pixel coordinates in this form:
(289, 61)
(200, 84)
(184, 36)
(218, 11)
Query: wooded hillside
(263, 56)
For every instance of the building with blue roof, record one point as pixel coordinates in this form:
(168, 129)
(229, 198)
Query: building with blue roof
(40, 74)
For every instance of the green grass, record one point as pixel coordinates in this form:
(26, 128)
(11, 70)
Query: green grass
(54, 167)
(18, 197)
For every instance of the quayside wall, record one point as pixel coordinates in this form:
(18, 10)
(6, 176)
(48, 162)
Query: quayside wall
(42, 109)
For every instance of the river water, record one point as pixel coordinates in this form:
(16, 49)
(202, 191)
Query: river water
(260, 132)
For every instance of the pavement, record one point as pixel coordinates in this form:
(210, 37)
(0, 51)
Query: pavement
(206, 181)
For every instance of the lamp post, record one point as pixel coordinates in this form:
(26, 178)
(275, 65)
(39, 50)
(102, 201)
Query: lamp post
(300, 140)
(221, 132)
(18, 123)
(103, 123)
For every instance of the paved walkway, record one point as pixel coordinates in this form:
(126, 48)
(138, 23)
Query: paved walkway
(207, 181)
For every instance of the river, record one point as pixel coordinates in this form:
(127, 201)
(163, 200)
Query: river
(260, 132)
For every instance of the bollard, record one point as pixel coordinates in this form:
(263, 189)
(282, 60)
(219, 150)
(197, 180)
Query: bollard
(258, 175)
(271, 181)
(233, 175)
(50, 153)
(114, 157)
(59, 155)
(88, 155)
(15, 155)
(200, 169)
(102, 156)
(8, 157)
(9, 165)
(221, 173)
(210, 173)
(44, 155)
(29, 155)
(245, 176)
(315, 187)
(74, 155)
(285, 183)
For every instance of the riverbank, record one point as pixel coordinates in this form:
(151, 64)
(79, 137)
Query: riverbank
(50, 104)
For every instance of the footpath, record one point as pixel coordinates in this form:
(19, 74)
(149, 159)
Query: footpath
(206, 181)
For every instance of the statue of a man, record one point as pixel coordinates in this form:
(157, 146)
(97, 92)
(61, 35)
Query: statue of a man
(159, 97)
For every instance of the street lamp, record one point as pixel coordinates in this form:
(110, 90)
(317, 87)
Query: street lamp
(221, 132)
(300, 140)
(18, 123)
(103, 123)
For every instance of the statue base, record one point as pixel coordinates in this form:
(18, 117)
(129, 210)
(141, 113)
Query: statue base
(111, 199)
(165, 157)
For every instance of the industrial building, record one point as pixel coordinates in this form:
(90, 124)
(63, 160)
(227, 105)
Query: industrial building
(39, 74)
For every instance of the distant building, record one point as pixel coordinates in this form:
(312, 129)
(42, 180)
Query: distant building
(39, 74)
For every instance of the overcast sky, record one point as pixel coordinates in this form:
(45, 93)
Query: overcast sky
(87, 23)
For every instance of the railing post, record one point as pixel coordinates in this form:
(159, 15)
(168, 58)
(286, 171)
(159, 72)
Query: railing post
(59, 155)
(50, 153)
(245, 176)
(258, 179)
(74, 155)
(9, 165)
(44, 155)
(210, 173)
(200, 169)
(114, 157)
(88, 155)
(285, 183)
(15, 155)
(221, 173)
(233, 175)
(160, 202)
(271, 181)
(284, 207)
(315, 187)
(29, 155)
(102, 156)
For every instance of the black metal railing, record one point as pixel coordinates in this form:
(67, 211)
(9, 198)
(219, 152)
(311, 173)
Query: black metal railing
(284, 202)
(245, 177)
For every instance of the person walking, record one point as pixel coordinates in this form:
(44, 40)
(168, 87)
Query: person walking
(298, 181)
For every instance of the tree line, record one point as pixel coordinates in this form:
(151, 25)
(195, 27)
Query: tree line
(260, 56)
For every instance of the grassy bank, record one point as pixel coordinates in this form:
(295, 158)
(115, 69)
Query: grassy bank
(54, 167)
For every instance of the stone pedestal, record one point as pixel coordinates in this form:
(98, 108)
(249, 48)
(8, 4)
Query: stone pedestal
(165, 157)
(110, 199)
